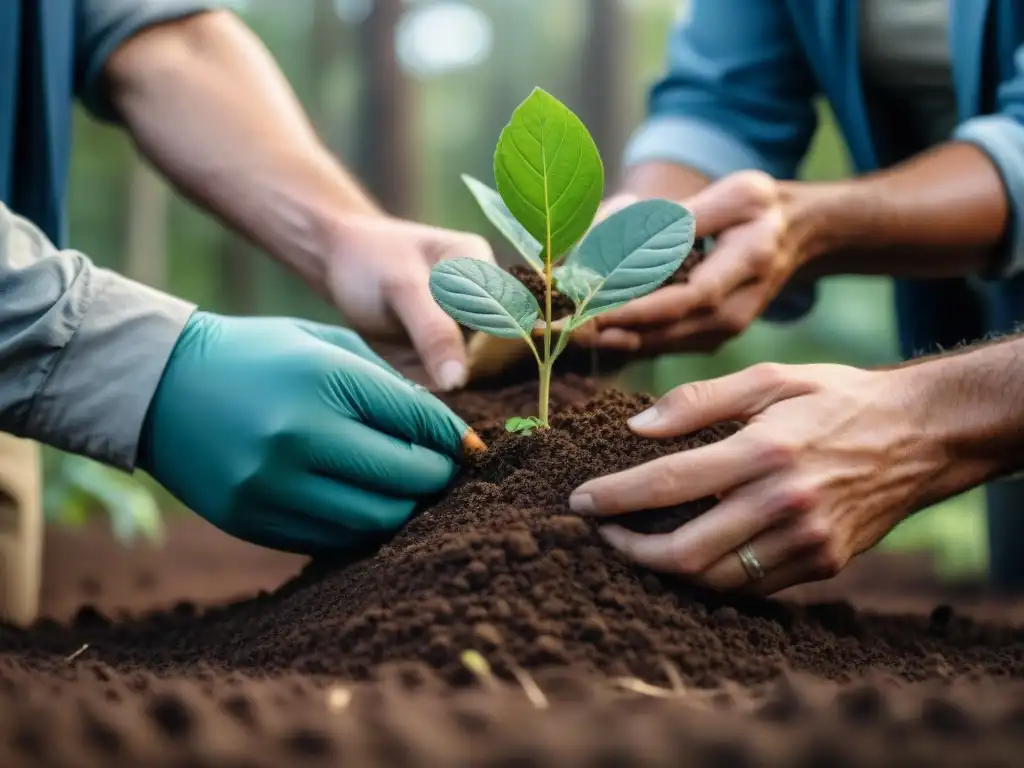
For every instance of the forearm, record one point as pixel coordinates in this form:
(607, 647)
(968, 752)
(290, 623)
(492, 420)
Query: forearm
(942, 214)
(81, 349)
(663, 179)
(208, 106)
(972, 407)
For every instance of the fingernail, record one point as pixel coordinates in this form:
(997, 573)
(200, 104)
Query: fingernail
(645, 418)
(451, 375)
(612, 534)
(582, 503)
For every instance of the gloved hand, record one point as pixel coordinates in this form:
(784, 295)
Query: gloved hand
(294, 435)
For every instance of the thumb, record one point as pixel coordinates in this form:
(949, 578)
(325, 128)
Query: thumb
(738, 396)
(729, 202)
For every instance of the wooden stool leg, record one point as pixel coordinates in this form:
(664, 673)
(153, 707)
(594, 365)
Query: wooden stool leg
(21, 530)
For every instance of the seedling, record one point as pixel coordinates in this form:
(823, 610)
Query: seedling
(550, 183)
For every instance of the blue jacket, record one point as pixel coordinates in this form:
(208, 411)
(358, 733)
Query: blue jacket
(77, 343)
(64, 57)
(739, 94)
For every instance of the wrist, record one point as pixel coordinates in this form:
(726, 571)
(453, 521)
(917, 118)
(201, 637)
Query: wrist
(316, 208)
(961, 400)
(826, 218)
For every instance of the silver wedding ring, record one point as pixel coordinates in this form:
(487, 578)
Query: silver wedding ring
(750, 563)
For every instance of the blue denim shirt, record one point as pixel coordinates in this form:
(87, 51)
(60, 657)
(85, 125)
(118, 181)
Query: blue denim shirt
(81, 348)
(71, 41)
(739, 92)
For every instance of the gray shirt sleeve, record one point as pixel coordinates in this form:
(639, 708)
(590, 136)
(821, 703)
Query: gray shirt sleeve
(103, 25)
(81, 348)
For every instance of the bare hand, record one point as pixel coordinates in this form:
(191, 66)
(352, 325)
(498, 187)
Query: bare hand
(758, 246)
(380, 281)
(831, 459)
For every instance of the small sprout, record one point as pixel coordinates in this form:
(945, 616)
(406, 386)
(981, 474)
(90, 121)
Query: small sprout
(524, 425)
(477, 664)
(550, 181)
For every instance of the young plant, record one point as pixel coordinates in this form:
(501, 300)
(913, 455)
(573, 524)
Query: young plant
(550, 183)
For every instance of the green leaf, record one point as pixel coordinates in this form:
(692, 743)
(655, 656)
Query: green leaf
(132, 509)
(629, 254)
(501, 217)
(484, 297)
(549, 172)
(523, 424)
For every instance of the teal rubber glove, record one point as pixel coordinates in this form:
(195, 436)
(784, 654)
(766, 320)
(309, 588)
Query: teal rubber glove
(294, 435)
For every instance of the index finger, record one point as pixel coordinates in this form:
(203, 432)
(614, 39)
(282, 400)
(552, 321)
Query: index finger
(689, 475)
(398, 407)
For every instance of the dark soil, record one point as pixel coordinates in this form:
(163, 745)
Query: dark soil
(501, 566)
(561, 305)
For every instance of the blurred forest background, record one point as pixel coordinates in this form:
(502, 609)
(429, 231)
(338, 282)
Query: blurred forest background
(410, 94)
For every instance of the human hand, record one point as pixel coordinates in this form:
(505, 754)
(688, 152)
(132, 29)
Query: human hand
(294, 435)
(379, 279)
(760, 241)
(831, 459)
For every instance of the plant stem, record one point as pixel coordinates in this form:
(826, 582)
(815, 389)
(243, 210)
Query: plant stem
(545, 388)
(545, 369)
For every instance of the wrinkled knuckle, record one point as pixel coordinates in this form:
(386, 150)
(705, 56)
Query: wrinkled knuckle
(815, 535)
(798, 498)
(688, 566)
(828, 561)
(759, 188)
(733, 322)
(768, 376)
(687, 398)
(774, 453)
(762, 257)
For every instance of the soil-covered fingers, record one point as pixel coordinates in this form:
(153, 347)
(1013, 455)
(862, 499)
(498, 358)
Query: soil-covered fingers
(686, 476)
(737, 396)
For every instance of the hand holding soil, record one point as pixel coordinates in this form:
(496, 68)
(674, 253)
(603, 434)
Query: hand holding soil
(378, 277)
(830, 460)
(760, 241)
(294, 435)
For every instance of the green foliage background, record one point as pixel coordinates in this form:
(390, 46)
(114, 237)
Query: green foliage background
(457, 119)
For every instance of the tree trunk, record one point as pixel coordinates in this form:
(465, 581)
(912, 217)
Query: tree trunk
(145, 257)
(603, 103)
(386, 157)
(238, 276)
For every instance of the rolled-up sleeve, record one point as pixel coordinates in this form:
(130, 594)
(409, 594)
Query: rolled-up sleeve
(81, 349)
(738, 93)
(103, 25)
(1000, 135)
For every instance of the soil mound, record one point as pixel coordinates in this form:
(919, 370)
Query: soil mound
(501, 566)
